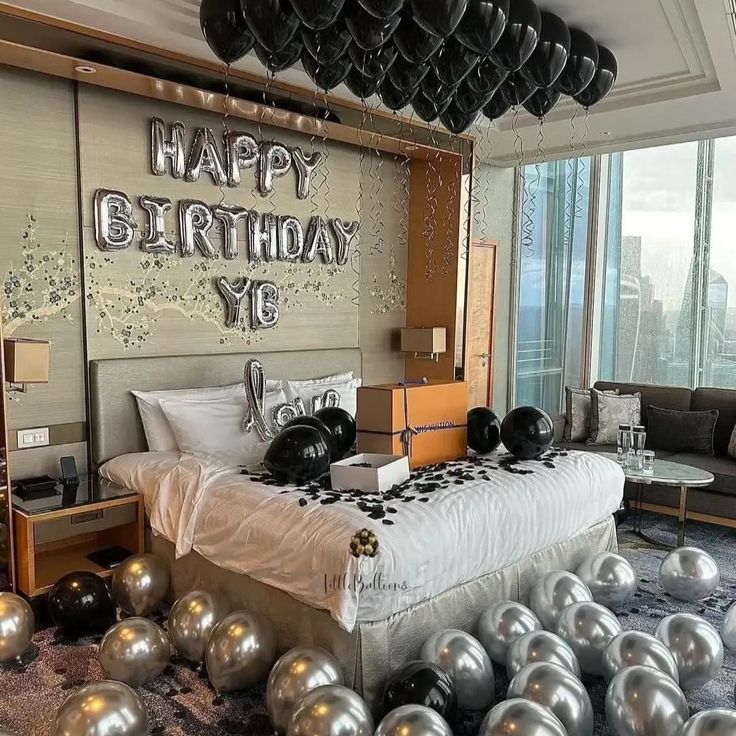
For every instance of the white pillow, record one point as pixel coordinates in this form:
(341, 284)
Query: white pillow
(216, 427)
(344, 383)
(159, 436)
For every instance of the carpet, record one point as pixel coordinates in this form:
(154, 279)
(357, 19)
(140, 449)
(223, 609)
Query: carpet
(181, 702)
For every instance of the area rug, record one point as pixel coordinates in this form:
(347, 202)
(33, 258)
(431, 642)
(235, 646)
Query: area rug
(181, 702)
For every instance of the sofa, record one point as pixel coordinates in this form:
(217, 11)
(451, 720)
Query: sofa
(715, 503)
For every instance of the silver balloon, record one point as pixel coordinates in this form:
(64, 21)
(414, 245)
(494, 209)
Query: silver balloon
(114, 223)
(521, 717)
(728, 628)
(466, 662)
(263, 242)
(297, 673)
(241, 153)
(191, 621)
(284, 413)
(714, 722)
(588, 628)
(689, 574)
(557, 689)
(611, 578)
(264, 305)
(501, 624)
(195, 222)
(318, 242)
(103, 708)
(305, 168)
(290, 238)
(16, 626)
(695, 645)
(155, 240)
(254, 377)
(140, 584)
(240, 651)
(134, 651)
(230, 216)
(234, 293)
(172, 148)
(635, 647)
(331, 710)
(554, 592)
(329, 398)
(413, 720)
(642, 701)
(540, 646)
(345, 232)
(204, 156)
(275, 161)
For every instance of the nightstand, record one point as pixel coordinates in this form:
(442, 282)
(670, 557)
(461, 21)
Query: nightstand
(55, 534)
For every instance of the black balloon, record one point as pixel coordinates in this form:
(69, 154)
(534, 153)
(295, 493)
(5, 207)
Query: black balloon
(468, 100)
(516, 90)
(428, 110)
(373, 63)
(453, 62)
(483, 24)
(485, 78)
(414, 43)
(272, 22)
(406, 76)
(317, 14)
(527, 432)
(382, 8)
(582, 62)
(327, 46)
(440, 17)
(496, 107)
(518, 41)
(542, 101)
(457, 120)
(550, 56)
(322, 428)
(420, 683)
(368, 32)
(297, 454)
(225, 29)
(326, 76)
(81, 604)
(283, 59)
(342, 426)
(361, 85)
(393, 97)
(484, 430)
(603, 79)
(436, 90)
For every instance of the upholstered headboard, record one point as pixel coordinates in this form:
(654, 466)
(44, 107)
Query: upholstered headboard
(116, 427)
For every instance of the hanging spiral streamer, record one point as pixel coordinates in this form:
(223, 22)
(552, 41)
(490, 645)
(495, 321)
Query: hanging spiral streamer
(267, 102)
(376, 247)
(481, 213)
(355, 255)
(449, 244)
(527, 223)
(430, 221)
(531, 202)
(582, 167)
(225, 126)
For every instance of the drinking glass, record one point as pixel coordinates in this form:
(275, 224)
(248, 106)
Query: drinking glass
(623, 443)
(638, 440)
(647, 461)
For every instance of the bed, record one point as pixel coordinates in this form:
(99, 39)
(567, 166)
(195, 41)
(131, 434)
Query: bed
(450, 542)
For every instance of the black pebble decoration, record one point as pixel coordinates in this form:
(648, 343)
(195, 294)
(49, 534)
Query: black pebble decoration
(484, 430)
(342, 426)
(81, 604)
(527, 432)
(322, 428)
(420, 683)
(297, 454)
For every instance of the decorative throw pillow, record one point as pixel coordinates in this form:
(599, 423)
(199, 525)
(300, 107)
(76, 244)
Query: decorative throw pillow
(312, 391)
(577, 413)
(681, 431)
(607, 411)
(732, 444)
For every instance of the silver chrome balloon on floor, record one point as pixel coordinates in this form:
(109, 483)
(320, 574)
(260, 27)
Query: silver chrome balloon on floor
(728, 628)
(635, 647)
(501, 624)
(331, 710)
(540, 646)
(134, 651)
(521, 716)
(413, 720)
(191, 621)
(16, 626)
(553, 593)
(714, 722)
(689, 574)
(140, 584)
(611, 578)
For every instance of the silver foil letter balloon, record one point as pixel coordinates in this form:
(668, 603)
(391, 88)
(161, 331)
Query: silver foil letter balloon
(195, 222)
(318, 242)
(254, 377)
(275, 162)
(305, 168)
(327, 399)
(263, 243)
(230, 216)
(264, 305)
(233, 292)
(241, 153)
(154, 240)
(284, 413)
(114, 223)
(345, 232)
(291, 238)
(170, 148)
(205, 156)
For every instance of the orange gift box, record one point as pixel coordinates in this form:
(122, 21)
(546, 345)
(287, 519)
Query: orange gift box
(426, 421)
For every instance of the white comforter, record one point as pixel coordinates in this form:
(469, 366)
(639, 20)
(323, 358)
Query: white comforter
(445, 533)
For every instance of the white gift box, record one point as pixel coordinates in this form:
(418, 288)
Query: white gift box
(384, 473)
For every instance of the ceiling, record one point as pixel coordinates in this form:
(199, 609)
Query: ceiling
(677, 70)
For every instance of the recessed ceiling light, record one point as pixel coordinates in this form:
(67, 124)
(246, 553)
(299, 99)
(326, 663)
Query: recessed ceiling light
(85, 69)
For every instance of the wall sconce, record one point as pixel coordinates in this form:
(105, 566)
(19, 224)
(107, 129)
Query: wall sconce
(26, 361)
(427, 343)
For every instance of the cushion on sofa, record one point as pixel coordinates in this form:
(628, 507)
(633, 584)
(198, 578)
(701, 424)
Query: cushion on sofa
(681, 431)
(723, 469)
(668, 397)
(732, 445)
(724, 400)
(608, 411)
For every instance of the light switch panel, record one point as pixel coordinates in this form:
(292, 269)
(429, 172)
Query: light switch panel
(36, 437)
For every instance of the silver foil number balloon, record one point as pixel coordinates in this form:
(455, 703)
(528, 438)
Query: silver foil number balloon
(641, 701)
(521, 717)
(728, 628)
(689, 574)
(16, 626)
(140, 584)
(560, 691)
(588, 628)
(715, 722)
(554, 592)
(540, 646)
(103, 708)
(611, 578)
(240, 651)
(466, 662)
(114, 223)
(297, 673)
(331, 710)
(155, 240)
(191, 621)
(635, 647)
(695, 645)
(413, 720)
(501, 624)
(134, 651)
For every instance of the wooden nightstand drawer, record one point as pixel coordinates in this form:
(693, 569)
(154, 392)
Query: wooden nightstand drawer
(83, 522)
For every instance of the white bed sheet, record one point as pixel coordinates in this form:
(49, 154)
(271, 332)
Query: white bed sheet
(460, 533)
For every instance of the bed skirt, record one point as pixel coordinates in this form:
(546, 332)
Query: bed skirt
(373, 649)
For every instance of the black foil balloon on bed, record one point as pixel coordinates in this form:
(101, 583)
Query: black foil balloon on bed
(342, 426)
(527, 432)
(80, 604)
(484, 430)
(420, 683)
(322, 428)
(297, 454)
